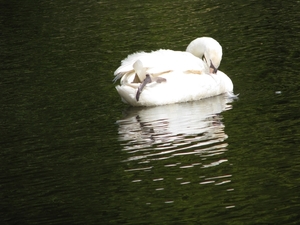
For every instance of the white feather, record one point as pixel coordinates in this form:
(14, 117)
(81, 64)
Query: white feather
(187, 76)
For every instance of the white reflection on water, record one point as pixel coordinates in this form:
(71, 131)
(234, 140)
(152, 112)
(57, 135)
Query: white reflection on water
(173, 147)
(163, 132)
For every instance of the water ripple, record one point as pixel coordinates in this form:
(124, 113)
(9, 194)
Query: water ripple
(174, 148)
(164, 132)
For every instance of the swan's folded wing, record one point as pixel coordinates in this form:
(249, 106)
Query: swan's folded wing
(127, 64)
(160, 62)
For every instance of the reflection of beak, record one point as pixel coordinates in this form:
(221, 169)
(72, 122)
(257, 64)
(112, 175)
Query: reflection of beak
(212, 68)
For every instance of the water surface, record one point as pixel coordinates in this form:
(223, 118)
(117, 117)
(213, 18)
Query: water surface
(73, 153)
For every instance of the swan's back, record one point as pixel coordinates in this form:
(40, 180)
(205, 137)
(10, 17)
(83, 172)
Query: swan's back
(161, 61)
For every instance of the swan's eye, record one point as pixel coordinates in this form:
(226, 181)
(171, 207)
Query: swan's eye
(203, 58)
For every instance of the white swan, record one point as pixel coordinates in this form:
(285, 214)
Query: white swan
(165, 76)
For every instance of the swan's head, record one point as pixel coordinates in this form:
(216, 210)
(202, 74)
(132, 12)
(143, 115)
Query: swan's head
(140, 70)
(207, 49)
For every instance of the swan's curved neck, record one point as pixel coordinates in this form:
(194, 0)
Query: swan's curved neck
(207, 49)
(197, 47)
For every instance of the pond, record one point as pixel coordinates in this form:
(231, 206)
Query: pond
(73, 153)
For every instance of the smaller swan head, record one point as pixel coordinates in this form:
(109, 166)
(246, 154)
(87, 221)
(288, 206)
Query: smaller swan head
(209, 50)
(140, 70)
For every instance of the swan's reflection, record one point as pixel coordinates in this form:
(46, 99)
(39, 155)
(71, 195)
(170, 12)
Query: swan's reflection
(163, 132)
(175, 148)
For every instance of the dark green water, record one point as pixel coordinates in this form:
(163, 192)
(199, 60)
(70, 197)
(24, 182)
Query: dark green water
(72, 153)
